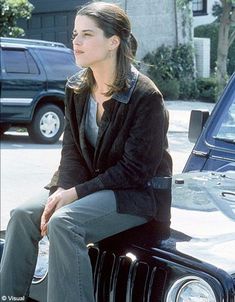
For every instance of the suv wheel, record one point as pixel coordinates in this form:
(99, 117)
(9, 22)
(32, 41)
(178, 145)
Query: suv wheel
(47, 125)
(4, 128)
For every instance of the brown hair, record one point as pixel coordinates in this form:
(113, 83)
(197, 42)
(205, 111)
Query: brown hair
(113, 21)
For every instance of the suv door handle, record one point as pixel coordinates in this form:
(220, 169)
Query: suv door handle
(200, 153)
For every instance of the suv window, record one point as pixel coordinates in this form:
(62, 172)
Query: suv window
(19, 61)
(226, 129)
(56, 63)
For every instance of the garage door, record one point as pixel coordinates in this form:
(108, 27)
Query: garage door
(56, 26)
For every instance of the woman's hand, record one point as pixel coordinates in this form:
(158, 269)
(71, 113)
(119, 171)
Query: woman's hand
(57, 200)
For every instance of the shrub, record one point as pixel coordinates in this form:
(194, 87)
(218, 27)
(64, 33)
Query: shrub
(208, 89)
(169, 88)
(172, 69)
(188, 89)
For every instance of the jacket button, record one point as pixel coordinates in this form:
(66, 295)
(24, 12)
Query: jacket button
(96, 172)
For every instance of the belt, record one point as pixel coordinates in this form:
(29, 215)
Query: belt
(160, 182)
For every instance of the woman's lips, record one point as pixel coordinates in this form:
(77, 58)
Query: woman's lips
(78, 52)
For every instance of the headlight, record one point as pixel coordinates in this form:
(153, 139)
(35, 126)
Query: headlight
(191, 289)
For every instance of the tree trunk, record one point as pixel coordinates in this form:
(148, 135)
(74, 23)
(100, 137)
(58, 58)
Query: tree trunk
(223, 44)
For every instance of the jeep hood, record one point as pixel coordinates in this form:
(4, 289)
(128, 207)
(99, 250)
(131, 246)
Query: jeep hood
(204, 210)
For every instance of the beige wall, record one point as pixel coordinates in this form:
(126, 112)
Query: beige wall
(154, 23)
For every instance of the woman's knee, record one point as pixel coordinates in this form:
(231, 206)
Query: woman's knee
(27, 212)
(61, 221)
(19, 213)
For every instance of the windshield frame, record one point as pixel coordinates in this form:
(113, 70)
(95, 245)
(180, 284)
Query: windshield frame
(218, 115)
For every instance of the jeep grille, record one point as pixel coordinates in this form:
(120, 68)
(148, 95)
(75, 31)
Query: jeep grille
(118, 278)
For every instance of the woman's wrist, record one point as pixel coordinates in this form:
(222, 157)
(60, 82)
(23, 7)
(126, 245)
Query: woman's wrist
(72, 193)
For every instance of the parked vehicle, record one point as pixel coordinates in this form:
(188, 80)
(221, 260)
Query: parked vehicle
(215, 146)
(191, 260)
(32, 80)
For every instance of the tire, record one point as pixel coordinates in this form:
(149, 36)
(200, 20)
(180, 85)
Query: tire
(47, 125)
(4, 128)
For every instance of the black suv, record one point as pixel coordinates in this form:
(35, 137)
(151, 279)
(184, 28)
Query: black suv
(32, 79)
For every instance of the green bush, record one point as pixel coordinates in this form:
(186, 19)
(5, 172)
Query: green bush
(211, 31)
(208, 89)
(188, 89)
(172, 69)
(169, 88)
(159, 64)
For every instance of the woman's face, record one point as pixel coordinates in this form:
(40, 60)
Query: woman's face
(91, 47)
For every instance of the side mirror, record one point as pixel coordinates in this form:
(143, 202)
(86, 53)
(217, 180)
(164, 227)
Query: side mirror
(197, 121)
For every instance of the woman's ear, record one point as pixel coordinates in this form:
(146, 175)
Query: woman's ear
(114, 42)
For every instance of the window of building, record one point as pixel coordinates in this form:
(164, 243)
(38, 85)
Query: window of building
(199, 7)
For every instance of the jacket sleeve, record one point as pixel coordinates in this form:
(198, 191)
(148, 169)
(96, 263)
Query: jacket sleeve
(143, 150)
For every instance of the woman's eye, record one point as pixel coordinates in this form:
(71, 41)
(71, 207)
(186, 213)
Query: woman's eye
(74, 35)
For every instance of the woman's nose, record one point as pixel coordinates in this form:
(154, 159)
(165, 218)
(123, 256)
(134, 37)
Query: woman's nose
(77, 40)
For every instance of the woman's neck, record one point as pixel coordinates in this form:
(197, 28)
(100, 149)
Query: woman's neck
(104, 76)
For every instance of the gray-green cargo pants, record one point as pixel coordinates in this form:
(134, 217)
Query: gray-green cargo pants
(71, 228)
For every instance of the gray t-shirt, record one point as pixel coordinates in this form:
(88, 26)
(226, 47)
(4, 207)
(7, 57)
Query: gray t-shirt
(91, 127)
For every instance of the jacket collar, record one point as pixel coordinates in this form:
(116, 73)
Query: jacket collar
(124, 96)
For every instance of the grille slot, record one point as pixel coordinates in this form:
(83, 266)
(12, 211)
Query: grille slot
(157, 285)
(105, 277)
(94, 257)
(139, 280)
(121, 278)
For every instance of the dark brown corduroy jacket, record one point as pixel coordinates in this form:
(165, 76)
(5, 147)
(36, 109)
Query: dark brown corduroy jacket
(131, 149)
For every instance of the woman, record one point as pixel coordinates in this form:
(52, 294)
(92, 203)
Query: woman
(113, 158)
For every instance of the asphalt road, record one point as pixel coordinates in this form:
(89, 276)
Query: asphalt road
(26, 167)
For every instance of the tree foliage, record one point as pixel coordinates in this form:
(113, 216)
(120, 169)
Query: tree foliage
(10, 12)
(225, 12)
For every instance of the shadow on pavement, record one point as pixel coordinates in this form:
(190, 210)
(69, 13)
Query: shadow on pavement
(14, 140)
